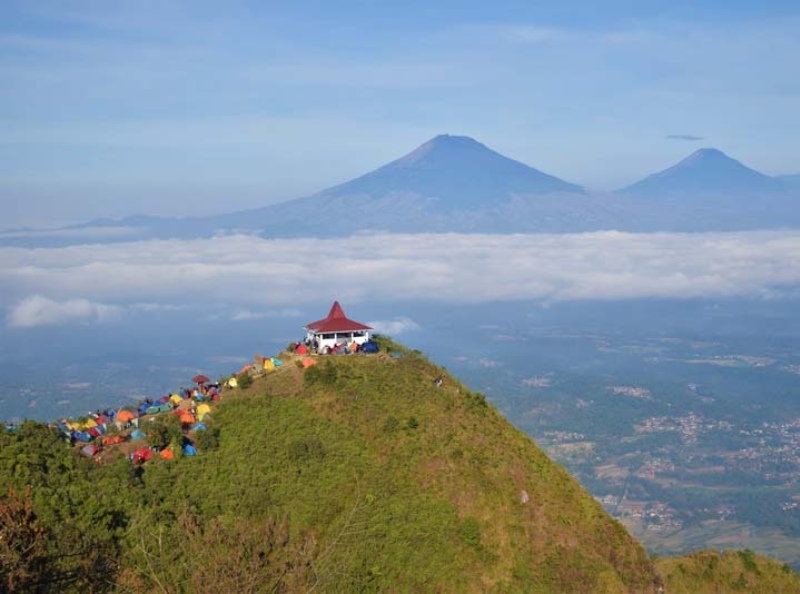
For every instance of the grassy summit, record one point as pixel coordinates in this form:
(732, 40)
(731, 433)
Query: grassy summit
(360, 474)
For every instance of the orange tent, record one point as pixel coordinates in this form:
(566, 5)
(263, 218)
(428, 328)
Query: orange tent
(301, 349)
(125, 415)
(112, 440)
(167, 454)
(308, 362)
(247, 368)
(187, 417)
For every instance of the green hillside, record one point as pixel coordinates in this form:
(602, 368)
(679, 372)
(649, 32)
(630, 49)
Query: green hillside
(712, 572)
(360, 474)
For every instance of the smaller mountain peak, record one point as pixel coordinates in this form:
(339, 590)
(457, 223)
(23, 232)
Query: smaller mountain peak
(452, 139)
(709, 157)
(442, 144)
(708, 153)
(707, 170)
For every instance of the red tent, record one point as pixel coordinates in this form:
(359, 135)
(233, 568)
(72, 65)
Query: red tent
(142, 455)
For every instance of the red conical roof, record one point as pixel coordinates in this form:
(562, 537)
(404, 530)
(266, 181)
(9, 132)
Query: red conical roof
(336, 321)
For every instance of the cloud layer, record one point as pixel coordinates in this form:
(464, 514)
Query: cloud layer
(251, 274)
(41, 311)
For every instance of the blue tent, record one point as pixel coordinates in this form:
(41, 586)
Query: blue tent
(138, 434)
(369, 347)
(199, 427)
(189, 450)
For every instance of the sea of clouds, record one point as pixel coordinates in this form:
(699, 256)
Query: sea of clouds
(256, 276)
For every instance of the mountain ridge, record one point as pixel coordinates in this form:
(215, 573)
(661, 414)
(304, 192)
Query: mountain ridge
(455, 184)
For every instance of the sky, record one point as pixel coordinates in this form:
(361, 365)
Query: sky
(177, 107)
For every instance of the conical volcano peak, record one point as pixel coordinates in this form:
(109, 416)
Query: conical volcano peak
(705, 171)
(441, 146)
(455, 173)
(708, 155)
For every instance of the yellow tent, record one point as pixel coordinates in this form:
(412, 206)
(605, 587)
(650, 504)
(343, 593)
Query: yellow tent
(175, 399)
(232, 383)
(202, 411)
(269, 365)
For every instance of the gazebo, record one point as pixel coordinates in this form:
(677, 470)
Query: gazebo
(334, 330)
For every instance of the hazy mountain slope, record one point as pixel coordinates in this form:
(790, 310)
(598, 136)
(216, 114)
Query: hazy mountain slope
(454, 172)
(450, 183)
(790, 182)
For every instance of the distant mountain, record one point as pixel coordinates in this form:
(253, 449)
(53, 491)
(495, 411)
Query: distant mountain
(706, 171)
(455, 173)
(450, 183)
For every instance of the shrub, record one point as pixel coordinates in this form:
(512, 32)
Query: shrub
(391, 425)
(470, 532)
(308, 448)
(207, 440)
(244, 380)
(163, 431)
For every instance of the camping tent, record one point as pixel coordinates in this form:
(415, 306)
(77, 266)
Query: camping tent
(142, 455)
(89, 450)
(308, 362)
(167, 454)
(138, 434)
(203, 410)
(125, 416)
(113, 440)
(369, 347)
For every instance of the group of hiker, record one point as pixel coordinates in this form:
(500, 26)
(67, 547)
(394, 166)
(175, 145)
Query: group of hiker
(340, 348)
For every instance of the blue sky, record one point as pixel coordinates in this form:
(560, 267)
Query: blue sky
(161, 107)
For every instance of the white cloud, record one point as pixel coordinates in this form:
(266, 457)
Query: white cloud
(41, 311)
(245, 314)
(488, 363)
(276, 277)
(394, 327)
